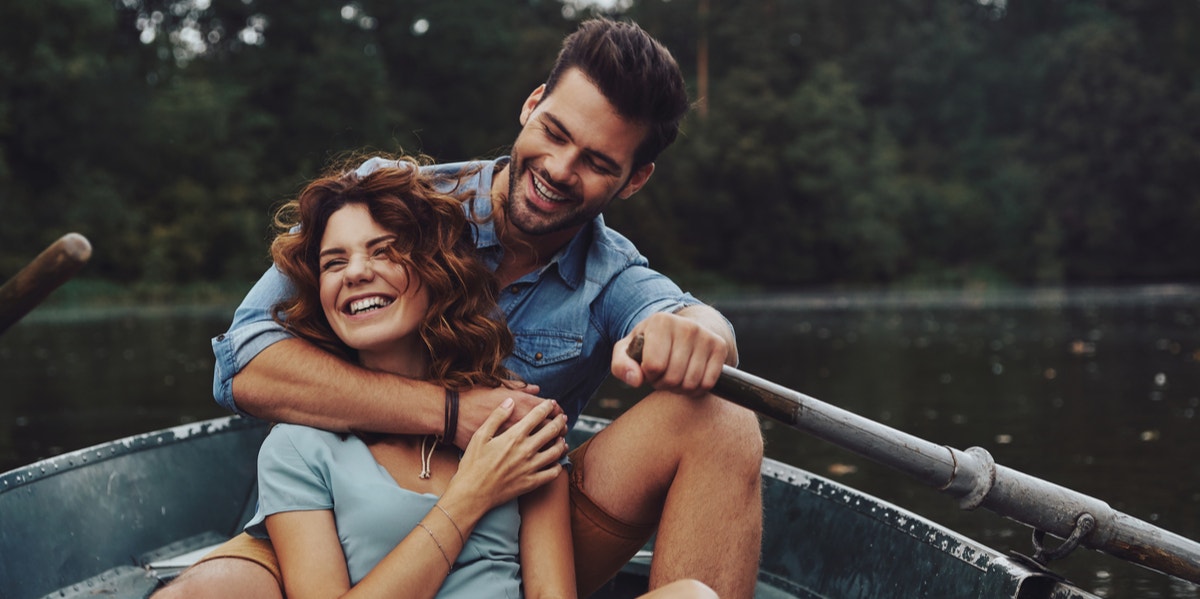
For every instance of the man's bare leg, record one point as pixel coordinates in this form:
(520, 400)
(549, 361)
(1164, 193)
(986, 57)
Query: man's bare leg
(695, 462)
(223, 578)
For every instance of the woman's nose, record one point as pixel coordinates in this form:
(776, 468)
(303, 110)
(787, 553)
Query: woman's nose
(358, 269)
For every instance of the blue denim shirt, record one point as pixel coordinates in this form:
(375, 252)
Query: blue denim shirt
(565, 317)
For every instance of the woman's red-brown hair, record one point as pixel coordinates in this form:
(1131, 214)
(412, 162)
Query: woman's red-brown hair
(463, 330)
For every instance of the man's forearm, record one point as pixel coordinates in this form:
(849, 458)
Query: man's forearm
(293, 381)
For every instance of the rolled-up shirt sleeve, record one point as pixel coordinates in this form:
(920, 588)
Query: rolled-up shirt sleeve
(636, 293)
(252, 331)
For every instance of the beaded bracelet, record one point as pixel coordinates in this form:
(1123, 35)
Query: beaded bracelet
(449, 566)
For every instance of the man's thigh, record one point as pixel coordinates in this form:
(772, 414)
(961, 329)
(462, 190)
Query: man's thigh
(631, 463)
(603, 543)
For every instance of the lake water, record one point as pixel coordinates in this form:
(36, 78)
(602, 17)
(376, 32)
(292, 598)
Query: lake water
(1097, 390)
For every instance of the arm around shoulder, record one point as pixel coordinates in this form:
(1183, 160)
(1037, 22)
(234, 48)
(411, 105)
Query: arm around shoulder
(297, 382)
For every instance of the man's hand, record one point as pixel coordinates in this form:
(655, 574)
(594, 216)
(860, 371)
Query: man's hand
(680, 354)
(476, 404)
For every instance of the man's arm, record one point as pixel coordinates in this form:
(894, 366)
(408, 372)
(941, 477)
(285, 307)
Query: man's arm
(265, 372)
(294, 381)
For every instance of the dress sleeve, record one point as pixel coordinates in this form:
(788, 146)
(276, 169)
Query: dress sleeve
(291, 475)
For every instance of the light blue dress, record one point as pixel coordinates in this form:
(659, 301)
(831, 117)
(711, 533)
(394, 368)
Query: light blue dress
(302, 468)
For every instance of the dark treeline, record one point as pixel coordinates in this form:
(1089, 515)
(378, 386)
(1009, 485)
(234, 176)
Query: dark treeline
(939, 142)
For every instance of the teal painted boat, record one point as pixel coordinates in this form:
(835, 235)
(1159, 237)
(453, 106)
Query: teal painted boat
(120, 519)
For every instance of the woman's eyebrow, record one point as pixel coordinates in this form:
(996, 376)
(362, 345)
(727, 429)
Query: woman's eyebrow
(382, 239)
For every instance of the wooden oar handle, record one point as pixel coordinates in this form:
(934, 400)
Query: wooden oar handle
(635, 348)
(44, 274)
(735, 386)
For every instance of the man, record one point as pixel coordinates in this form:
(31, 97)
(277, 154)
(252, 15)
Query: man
(680, 462)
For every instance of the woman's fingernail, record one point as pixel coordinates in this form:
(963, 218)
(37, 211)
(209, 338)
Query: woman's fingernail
(507, 403)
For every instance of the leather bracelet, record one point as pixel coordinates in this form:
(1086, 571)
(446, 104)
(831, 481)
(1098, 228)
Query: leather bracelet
(451, 417)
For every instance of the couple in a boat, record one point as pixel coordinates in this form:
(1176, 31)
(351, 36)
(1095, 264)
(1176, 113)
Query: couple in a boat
(418, 315)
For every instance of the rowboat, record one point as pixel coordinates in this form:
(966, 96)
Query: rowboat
(119, 519)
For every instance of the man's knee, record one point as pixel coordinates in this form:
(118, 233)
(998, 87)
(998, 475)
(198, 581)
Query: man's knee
(222, 578)
(717, 424)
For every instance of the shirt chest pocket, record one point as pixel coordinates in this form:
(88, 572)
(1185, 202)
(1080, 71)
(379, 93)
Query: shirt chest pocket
(547, 348)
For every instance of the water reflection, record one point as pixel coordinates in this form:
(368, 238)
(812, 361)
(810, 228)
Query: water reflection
(1096, 390)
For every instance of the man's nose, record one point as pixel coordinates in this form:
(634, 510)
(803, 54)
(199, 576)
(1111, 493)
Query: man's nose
(560, 167)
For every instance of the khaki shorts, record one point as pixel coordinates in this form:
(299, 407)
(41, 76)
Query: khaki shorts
(603, 543)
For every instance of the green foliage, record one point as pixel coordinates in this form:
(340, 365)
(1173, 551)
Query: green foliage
(840, 143)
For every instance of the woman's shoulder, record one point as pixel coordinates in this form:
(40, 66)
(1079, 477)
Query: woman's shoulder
(305, 440)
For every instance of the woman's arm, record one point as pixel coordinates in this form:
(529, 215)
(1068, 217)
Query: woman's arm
(314, 566)
(547, 556)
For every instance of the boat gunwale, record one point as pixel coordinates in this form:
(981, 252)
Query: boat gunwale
(79, 458)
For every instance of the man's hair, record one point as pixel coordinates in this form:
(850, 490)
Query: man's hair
(635, 72)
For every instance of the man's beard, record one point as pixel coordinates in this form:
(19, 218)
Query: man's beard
(530, 221)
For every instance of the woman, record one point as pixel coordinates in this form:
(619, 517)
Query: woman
(385, 274)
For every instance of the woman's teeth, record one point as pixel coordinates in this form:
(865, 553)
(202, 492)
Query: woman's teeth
(368, 303)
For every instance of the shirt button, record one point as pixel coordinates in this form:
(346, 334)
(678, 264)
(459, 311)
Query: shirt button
(537, 356)
(221, 337)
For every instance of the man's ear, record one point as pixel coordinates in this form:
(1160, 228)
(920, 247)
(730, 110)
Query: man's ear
(531, 102)
(636, 181)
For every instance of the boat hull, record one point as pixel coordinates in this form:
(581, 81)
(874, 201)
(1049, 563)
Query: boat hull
(120, 518)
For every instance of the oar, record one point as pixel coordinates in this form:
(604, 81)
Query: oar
(973, 477)
(47, 272)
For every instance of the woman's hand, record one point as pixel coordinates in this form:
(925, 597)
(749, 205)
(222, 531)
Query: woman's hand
(497, 468)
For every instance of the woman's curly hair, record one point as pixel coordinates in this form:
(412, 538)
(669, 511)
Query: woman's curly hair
(463, 330)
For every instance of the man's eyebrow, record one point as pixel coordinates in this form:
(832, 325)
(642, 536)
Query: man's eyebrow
(601, 156)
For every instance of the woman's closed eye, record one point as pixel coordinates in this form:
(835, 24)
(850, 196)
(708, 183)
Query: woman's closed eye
(334, 264)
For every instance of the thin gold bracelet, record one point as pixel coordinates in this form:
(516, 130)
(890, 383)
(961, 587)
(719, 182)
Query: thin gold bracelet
(460, 533)
(449, 566)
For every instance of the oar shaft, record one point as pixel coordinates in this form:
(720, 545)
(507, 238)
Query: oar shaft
(50, 269)
(971, 476)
